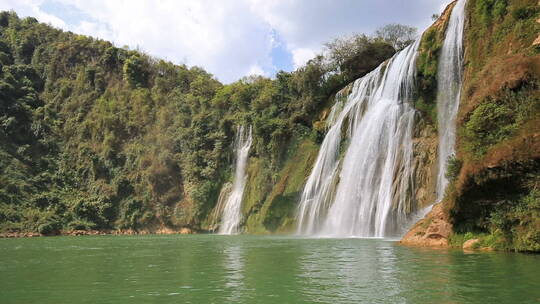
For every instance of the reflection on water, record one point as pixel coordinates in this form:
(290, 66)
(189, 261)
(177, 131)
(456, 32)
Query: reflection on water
(253, 269)
(345, 273)
(233, 263)
(350, 274)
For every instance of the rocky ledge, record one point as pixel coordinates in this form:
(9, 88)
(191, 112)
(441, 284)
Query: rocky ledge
(431, 231)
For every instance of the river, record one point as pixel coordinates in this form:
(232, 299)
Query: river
(256, 269)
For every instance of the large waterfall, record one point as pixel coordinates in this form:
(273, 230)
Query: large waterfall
(368, 192)
(449, 75)
(232, 212)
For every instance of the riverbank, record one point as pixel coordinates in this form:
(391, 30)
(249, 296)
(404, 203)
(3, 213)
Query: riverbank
(26, 234)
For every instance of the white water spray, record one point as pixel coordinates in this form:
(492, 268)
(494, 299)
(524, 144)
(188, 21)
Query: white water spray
(232, 211)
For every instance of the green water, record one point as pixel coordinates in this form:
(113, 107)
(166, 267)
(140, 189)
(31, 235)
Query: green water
(253, 269)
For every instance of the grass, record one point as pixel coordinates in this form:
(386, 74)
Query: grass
(485, 240)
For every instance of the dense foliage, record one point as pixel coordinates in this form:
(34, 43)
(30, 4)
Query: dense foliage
(99, 137)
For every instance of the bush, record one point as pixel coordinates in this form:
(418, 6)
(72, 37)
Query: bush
(134, 72)
(487, 9)
(522, 13)
(518, 222)
(497, 118)
(426, 65)
(79, 224)
(50, 228)
(453, 167)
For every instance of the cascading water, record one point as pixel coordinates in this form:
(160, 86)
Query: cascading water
(232, 214)
(449, 76)
(370, 192)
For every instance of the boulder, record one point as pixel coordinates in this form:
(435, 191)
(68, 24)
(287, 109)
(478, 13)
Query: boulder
(431, 231)
(471, 244)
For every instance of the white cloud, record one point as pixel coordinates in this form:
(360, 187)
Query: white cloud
(225, 38)
(306, 25)
(301, 56)
(25, 8)
(256, 70)
(93, 29)
(229, 38)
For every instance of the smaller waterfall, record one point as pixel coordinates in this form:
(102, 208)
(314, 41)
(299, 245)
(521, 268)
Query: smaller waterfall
(232, 213)
(215, 215)
(449, 76)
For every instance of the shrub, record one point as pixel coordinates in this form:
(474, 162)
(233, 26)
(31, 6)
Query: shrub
(50, 228)
(453, 167)
(79, 224)
(426, 66)
(134, 73)
(487, 9)
(497, 118)
(524, 12)
(518, 220)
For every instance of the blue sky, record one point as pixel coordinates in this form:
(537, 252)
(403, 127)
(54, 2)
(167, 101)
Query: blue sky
(229, 38)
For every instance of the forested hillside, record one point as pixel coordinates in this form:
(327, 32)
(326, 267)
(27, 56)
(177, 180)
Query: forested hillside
(99, 137)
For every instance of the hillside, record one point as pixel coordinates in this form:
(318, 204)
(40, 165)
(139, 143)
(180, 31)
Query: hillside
(96, 137)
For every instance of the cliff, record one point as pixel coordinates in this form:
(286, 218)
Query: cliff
(493, 196)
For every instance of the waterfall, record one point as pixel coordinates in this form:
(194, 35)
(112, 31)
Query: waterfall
(369, 192)
(232, 213)
(449, 76)
(215, 216)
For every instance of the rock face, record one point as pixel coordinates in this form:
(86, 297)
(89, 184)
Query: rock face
(470, 244)
(425, 164)
(432, 231)
(186, 231)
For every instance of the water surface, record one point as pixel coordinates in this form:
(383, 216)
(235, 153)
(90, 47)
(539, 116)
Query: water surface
(255, 269)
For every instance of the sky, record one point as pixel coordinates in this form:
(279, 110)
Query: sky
(228, 38)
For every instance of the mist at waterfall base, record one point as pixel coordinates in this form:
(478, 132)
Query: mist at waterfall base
(369, 191)
(232, 209)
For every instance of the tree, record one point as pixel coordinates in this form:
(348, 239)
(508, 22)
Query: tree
(343, 48)
(134, 73)
(398, 35)
(350, 57)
